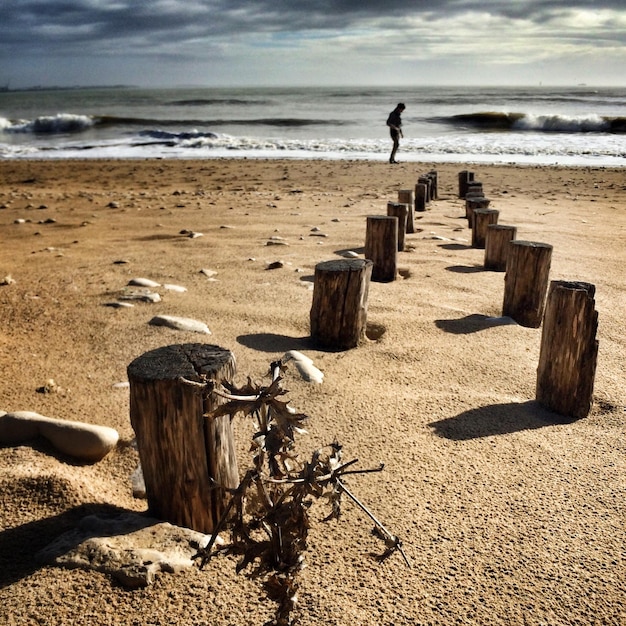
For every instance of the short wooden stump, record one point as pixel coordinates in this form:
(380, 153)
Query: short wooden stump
(497, 246)
(381, 246)
(401, 211)
(481, 220)
(569, 349)
(339, 309)
(188, 460)
(526, 282)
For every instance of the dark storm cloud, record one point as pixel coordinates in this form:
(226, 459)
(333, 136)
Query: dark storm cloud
(54, 22)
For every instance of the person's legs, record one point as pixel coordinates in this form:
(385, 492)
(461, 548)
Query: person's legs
(395, 136)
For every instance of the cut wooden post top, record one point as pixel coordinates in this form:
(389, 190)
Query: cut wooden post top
(530, 244)
(190, 361)
(342, 265)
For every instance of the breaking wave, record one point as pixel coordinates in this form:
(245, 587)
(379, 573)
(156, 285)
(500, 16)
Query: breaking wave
(500, 121)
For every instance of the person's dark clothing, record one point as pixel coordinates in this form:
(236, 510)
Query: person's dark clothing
(394, 119)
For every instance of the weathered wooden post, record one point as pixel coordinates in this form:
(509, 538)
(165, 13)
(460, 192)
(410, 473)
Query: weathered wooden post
(381, 246)
(464, 178)
(426, 180)
(434, 178)
(405, 196)
(526, 282)
(497, 246)
(339, 309)
(481, 220)
(473, 202)
(395, 209)
(569, 349)
(188, 460)
(421, 191)
(474, 188)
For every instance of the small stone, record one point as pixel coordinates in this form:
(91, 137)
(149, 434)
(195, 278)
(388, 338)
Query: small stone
(177, 288)
(180, 323)
(275, 265)
(143, 282)
(88, 442)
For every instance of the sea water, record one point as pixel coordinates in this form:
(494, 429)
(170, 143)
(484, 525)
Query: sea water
(541, 125)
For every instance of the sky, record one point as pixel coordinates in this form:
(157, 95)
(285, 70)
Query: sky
(158, 43)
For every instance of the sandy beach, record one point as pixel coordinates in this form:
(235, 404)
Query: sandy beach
(509, 514)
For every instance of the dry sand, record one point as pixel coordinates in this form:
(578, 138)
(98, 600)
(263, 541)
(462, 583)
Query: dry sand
(508, 514)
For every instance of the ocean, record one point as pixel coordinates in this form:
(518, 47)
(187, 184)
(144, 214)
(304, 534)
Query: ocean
(537, 125)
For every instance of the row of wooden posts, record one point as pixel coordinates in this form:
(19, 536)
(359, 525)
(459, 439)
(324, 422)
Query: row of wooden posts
(189, 463)
(568, 353)
(568, 349)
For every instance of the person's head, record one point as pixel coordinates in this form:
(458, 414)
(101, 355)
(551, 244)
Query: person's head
(400, 106)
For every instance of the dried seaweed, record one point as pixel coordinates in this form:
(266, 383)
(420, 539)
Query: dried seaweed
(267, 515)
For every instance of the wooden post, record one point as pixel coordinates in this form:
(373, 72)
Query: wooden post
(339, 309)
(188, 461)
(405, 196)
(395, 209)
(473, 202)
(434, 177)
(421, 190)
(526, 282)
(569, 349)
(425, 180)
(464, 178)
(481, 220)
(474, 188)
(497, 246)
(381, 246)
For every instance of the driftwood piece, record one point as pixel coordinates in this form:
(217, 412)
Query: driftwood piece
(569, 349)
(497, 246)
(481, 220)
(339, 309)
(381, 246)
(188, 460)
(395, 209)
(526, 282)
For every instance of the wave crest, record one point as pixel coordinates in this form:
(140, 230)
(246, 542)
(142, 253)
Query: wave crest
(52, 124)
(501, 121)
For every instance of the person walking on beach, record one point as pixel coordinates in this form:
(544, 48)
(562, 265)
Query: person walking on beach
(394, 121)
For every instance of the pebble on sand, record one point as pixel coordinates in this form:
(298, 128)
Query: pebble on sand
(176, 288)
(87, 442)
(180, 323)
(304, 365)
(143, 282)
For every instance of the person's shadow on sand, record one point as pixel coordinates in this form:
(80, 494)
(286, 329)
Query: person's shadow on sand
(497, 419)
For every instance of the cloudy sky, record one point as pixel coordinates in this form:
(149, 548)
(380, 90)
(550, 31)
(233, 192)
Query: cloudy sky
(312, 42)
